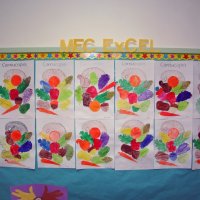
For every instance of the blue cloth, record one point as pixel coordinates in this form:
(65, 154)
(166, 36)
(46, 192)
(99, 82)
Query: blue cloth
(108, 184)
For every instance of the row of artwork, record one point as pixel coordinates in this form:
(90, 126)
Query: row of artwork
(96, 85)
(100, 114)
(134, 144)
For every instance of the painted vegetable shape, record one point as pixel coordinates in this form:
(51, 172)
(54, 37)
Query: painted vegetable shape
(93, 144)
(54, 144)
(135, 139)
(173, 95)
(18, 143)
(16, 94)
(55, 92)
(134, 92)
(172, 144)
(95, 90)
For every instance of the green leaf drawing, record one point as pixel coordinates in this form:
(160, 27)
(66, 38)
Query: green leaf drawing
(64, 94)
(70, 151)
(178, 89)
(25, 137)
(179, 140)
(196, 143)
(182, 138)
(24, 108)
(135, 109)
(160, 145)
(86, 136)
(66, 82)
(93, 78)
(63, 140)
(144, 106)
(57, 158)
(79, 94)
(140, 89)
(125, 85)
(4, 93)
(143, 152)
(103, 151)
(42, 94)
(101, 98)
(97, 160)
(24, 84)
(24, 156)
(182, 105)
(125, 138)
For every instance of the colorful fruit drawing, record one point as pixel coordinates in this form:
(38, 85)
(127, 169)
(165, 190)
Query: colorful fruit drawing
(135, 139)
(94, 89)
(172, 94)
(16, 144)
(55, 92)
(173, 148)
(196, 143)
(16, 93)
(54, 145)
(93, 143)
(134, 92)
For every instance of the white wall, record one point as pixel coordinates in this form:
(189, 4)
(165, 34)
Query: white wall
(42, 23)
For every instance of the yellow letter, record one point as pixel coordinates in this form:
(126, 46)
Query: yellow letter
(128, 41)
(78, 45)
(119, 46)
(64, 47)
(143, 45)
(106, 44)
(152, 47)
(87, 42)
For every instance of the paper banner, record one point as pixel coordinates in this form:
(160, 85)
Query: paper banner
(174, 88)
(54, 88)
(17, 89)
(135, 88)
(173, 143)
(55, 143)
(134, 147)
(94, 91)
(38, 192)
(94, 144)
(17, 143)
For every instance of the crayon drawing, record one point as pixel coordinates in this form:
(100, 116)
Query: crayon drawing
(54, 88)
(173, 143)
(16, 89)
(134, 91)
(174, 87)
(55, 143)
(134, 144)
(94, 144)
(94, 91)
(17, 144)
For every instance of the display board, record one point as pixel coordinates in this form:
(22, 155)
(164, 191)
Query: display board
(133, 112)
